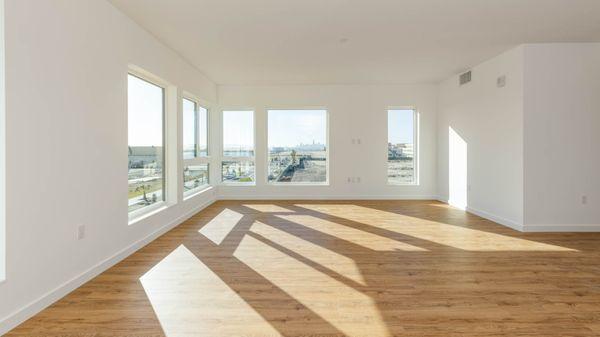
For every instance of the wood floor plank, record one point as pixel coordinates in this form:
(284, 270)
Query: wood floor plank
(339, 268)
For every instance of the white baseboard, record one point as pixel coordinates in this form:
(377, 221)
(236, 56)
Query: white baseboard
(565, 228)
(21, 315)
(328, 197)
(497, 219)
(489, 216)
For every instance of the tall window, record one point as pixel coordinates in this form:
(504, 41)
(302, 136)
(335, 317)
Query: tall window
(297, 146)
(146, 112)
(402, 146)
(195, 147)
(238, 147)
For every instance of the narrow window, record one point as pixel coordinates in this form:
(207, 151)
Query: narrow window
(195, 147)
(190, 129)
(146, 113)
(238, 147)
(402, 147)
(297, 142)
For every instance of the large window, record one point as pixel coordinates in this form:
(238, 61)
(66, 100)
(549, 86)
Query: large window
(238, 147)
(402, 146)
(195, 147)
(297, 141)
(146, 112)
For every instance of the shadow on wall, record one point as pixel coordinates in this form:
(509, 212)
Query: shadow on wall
(457, 170)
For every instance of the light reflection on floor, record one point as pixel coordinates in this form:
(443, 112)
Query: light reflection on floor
(355, 236)
(444, 234)
(312, 288)
(268, 208)
(324, 257)
(219, 227)
(190, 300)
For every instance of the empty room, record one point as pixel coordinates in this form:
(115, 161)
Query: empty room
(262, 168)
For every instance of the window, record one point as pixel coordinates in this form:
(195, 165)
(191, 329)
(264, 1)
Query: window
(146, 113)
(195, 130)
(194, 177)
(297, 142)
(238, 147)
(195, 147)
(402, 146)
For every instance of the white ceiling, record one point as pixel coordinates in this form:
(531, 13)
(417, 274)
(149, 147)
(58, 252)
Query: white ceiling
(355, 41)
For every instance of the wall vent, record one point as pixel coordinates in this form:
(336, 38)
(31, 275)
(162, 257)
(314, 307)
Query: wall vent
(464, 78)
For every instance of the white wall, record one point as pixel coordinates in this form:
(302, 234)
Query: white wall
(355, 111)
(67, 134)
(562, 136)
(67, 143)
(490, 121)
(2, 150)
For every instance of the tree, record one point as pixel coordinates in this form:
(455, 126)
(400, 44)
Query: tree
(294, 157)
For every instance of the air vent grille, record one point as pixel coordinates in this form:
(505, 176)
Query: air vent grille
(464, 78)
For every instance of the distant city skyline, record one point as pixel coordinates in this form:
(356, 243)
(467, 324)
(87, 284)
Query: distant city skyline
(290, 128)
(286, 128)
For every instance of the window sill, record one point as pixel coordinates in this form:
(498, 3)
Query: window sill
(146, 212)
(238, 184)
(194, 193)
(299, 184)
(402, 184)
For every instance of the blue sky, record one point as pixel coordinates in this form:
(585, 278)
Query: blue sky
(286, 127)
(293, 127)
(189, 125)
(238, 129)
(144, 113)
(400, 126)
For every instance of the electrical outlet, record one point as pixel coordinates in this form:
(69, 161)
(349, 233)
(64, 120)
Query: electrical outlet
(584, 199)
(501, 81)
(358, 179)
(80, 232)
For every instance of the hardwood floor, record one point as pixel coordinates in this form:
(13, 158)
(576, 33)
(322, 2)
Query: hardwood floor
(339, 268)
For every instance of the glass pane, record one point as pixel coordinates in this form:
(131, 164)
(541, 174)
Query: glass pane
(238, 172)
(194, 177)
(189, 129)
(145, 110)
(401, 149)
(202, 132)
(238, 133)
(297, 146)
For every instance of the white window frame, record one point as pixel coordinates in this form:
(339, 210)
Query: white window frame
(198, 160)
(169, 118)
(326, 182)
(416, 156)
(224, 158)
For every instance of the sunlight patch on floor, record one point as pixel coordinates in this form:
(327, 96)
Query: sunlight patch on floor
(220, 226)
(190, 300)
(444, 234)
(355, 236)
(331, 260)
(345, 308)
(268, 208)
